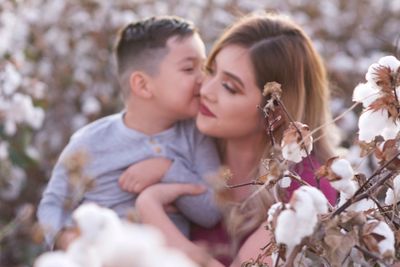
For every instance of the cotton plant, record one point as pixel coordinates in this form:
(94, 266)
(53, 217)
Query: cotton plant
(296, 220)
(296, 144)
(106, 240)
(361, 228)
(393, 194)
(379, 97)
(342, 177)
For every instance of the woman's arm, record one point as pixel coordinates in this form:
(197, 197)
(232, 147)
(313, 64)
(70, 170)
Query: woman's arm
(150, 205)
(251, 248)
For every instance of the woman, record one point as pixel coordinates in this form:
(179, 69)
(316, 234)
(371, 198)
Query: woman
(255, 50)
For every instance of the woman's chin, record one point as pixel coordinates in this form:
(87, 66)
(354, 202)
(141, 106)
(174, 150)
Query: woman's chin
(204, 124)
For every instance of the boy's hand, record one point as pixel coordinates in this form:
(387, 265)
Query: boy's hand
(143, 174)
(65, 237)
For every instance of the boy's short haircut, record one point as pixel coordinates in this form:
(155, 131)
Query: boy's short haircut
(142, 45)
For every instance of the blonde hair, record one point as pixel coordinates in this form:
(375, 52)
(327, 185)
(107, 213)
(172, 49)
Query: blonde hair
(280, 51)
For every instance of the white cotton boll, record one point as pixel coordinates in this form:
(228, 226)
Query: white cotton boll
(3, 150)
(10, 127)
(396, 185)
(292, 152)
(285, 232)
(391, 130)
(272, 211)
(347, 187)
(93, 220)
(91, 106)
(342, 168)
(363, 205)
(370, 76)
(365, 93)
(20, 108)
(55, 259)
(83, 253)
(389, 61)
(36, 118)
(302, 202)
(342, 199)
(386, 246)
(12, 79)
(393, 195)
(318, 198)
(390, 197)
(371, 124)
(132, 243)
(285, 182)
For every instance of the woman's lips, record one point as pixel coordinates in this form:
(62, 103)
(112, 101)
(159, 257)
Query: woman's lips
(205, 111)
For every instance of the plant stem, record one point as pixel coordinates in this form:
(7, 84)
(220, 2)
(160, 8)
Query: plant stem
(370, 254)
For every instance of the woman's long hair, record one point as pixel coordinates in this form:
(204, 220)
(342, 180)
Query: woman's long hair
(280, 51)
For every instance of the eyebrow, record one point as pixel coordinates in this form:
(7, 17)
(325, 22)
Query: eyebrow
(190, 59)
(234, 77)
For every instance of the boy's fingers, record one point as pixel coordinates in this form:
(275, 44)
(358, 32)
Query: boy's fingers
(192, 189)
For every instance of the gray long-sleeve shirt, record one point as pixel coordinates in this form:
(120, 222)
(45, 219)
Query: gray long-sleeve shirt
(112, 147)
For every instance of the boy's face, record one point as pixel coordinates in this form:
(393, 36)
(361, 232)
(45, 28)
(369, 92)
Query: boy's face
(176, 86)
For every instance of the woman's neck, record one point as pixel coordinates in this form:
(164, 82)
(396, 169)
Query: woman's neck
(242, 157)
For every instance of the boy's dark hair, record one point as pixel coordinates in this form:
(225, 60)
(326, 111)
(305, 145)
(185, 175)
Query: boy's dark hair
(142, 45)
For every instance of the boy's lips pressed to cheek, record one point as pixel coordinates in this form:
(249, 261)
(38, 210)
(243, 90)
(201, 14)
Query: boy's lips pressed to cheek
(205, 111)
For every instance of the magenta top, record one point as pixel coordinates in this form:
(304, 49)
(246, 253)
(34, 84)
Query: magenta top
(217, 239)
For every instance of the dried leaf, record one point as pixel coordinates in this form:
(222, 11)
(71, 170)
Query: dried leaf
(384, 79)
(389, 151)
(326, 171)
(388, 103)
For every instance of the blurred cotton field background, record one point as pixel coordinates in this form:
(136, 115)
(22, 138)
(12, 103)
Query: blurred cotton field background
(57, 74)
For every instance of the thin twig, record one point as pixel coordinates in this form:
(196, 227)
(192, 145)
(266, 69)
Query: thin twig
(382, 210)
(302, 144)
(244, 184)
(379, 170)
(372, 255)
(334, 119)
(293, 254)
(363, 195)
(269, 127)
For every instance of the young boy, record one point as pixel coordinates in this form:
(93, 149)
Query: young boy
(159, 68)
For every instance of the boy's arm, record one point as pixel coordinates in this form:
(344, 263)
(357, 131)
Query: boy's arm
(200, 209)
(53, 215)
(150, 205)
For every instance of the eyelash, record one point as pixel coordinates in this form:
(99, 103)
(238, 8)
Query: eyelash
(191, 69)
(229, 88)
(210, 71)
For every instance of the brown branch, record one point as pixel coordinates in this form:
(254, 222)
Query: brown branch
(376, 173)
(292, 256)
(382, 210)
(361, 196)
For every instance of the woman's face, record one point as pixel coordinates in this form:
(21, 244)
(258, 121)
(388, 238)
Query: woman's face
(229, 97)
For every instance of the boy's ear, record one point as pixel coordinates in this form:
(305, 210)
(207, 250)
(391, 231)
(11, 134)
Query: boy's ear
(139, 84)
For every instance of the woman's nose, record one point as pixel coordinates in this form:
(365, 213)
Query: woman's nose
(207, 89)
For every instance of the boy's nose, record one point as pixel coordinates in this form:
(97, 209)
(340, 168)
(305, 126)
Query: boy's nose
(200, 77)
